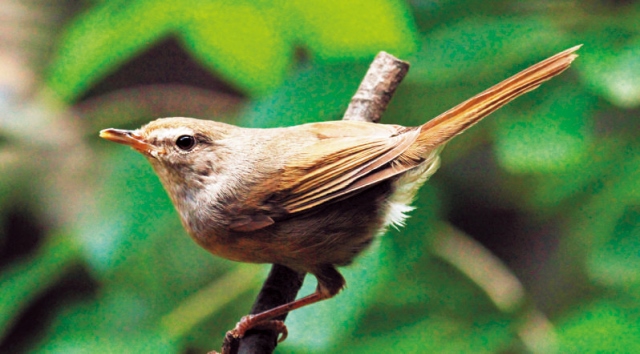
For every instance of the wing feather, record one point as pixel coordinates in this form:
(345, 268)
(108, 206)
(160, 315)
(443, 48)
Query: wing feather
(328, 169)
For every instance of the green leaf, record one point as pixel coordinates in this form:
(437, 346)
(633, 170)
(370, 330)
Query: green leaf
(601, 327)
(246, 42)
(358, 29)
(617, 262)
(23, 282)
(553, 188)
(131, 207)
(469, 51)
(91, 341)
(249, 43)
(614, 73)
(555, 137)
(118, 321)
(602, 229)
(315, 93)
(439, 334)
(102, 39)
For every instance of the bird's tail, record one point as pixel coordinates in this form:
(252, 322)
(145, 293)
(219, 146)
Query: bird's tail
(444, 127)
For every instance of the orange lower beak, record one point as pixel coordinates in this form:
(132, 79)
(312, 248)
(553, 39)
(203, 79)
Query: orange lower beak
(127, 137)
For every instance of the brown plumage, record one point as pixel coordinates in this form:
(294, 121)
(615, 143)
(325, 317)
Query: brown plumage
(312, 196)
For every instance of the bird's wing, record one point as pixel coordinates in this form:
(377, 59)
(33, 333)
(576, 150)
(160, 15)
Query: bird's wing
(343, 160)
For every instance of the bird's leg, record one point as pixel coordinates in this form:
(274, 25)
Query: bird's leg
(330, 282)
(264, 319)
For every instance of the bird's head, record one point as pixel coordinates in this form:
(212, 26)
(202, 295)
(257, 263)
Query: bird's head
(183, 151)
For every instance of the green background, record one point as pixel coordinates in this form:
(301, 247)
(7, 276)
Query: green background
(525, 241)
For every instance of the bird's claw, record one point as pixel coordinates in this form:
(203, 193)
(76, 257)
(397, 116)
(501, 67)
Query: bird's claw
(246, 323)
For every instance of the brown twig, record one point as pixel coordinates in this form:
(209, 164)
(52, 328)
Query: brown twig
(378, 86)
(282, 285)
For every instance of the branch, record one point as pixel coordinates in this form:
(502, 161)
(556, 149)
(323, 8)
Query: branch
(378, 86)
(282, 285)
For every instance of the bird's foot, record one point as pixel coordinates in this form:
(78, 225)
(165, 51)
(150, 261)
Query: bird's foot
(247, 322)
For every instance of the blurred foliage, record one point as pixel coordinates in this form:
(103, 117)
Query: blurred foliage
(250, 43)
(526, 240)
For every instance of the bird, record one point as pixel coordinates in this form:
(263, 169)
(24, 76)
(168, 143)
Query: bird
(310, 197)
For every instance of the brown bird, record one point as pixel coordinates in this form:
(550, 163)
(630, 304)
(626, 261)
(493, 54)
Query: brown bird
(310, 197)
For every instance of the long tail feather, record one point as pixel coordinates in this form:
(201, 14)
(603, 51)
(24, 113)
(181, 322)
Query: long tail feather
(456, 120)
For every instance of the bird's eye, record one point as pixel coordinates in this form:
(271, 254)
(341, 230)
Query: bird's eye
(186, 142)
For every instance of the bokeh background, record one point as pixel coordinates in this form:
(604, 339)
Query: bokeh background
(526, 241)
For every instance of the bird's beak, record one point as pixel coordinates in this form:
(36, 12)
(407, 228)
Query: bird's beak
(128, 137)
